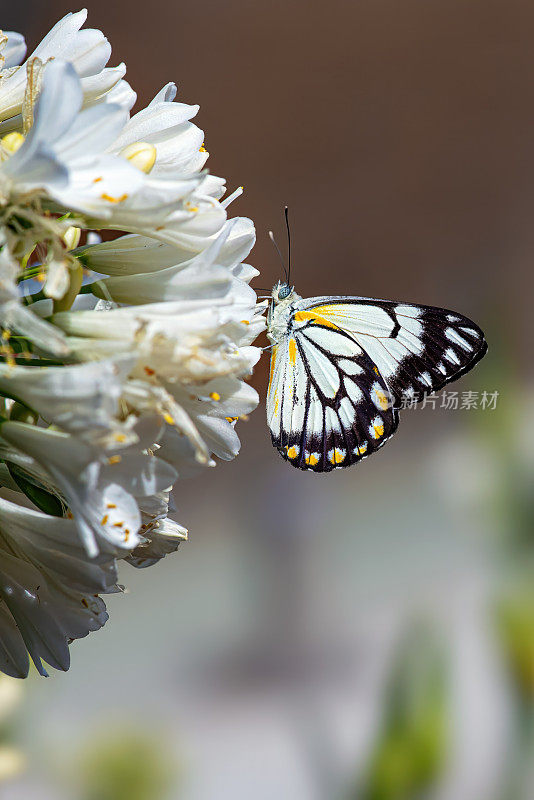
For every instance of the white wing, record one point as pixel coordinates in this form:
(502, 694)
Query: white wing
(327, 405)
(417, 349)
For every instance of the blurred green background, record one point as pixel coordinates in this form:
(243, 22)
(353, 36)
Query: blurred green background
(368, 634)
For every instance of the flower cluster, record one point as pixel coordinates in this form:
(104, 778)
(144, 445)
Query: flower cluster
(122, 361)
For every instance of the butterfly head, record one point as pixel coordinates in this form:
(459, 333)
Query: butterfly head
(282, 291)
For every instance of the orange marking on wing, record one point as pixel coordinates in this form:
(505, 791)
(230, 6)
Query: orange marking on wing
(330, 311)
(273, 361)
(314, 318)
(292, 351)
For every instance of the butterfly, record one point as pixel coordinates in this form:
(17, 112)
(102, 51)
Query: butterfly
(341, 367)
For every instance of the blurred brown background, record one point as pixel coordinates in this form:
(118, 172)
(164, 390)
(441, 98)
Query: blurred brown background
(401, 136)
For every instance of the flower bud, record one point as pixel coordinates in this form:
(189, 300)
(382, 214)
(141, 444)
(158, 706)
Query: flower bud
(75, 284)
(12, 141)
(71, 237)
(21, 413)
(141, 154)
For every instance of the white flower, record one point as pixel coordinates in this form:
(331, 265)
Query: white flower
(161, 535)
(48, 589)
(123, 363)
(87, 50)
(82, 399)
(12, 49)
(100, 506)
(191, 354)
(14, 316)
(166, 126)
(63, 153)
(133, 254)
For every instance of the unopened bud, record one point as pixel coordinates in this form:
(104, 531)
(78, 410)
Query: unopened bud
(71, 237)
(141, 154)
(21, 413)
(75, 284)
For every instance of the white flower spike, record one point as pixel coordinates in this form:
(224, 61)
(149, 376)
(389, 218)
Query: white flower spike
(122, 363)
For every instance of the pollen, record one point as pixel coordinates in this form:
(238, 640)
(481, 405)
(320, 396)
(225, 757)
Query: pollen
(118, 524)
(169, 419)
(111, 199)
(114, 459)
(104, 520)
(111, 505)
(149, 371)
(119, 437)
(215, 396)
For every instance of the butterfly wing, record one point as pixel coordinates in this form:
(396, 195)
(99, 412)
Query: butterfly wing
(417, 349)
(327, 404)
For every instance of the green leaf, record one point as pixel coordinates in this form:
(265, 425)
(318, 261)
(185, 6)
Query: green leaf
(44, 500)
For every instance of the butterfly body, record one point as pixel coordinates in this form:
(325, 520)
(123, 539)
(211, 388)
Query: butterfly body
(341, 367)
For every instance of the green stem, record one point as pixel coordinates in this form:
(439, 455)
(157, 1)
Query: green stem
(31, 272)
(29, 299)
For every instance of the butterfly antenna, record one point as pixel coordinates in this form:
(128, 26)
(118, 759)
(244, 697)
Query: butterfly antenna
(273, 240)
(286, 214)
